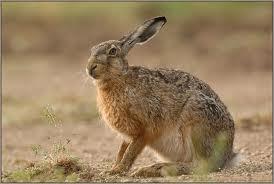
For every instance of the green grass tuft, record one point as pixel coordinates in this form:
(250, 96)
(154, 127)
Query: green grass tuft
(55, 163)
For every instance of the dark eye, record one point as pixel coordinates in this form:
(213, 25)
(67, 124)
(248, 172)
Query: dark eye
(112, 51)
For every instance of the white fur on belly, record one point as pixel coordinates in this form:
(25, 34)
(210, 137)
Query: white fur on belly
(173, 147)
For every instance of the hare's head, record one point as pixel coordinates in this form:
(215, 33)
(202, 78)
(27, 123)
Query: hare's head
(107, 59)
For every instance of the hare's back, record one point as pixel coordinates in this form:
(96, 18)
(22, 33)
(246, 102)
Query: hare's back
(174, 79)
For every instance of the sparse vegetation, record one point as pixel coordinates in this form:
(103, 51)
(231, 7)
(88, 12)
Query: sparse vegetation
(55, 164)
(16, 110)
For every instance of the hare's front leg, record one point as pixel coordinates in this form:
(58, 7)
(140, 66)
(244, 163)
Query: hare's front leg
(121, 153)
(133, 150)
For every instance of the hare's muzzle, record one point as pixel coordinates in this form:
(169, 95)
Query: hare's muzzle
(91, 70)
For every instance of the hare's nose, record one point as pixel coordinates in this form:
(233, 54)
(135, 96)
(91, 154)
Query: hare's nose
(93, 68)
(90, 69)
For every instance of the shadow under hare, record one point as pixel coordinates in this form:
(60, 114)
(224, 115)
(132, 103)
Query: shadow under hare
(170, 111)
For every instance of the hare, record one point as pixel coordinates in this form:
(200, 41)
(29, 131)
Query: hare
(170, 111)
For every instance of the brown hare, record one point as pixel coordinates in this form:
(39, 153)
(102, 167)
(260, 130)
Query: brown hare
(170, 111)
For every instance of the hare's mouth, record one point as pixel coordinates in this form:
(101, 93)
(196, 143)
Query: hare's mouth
(95, 76)
(91, 71)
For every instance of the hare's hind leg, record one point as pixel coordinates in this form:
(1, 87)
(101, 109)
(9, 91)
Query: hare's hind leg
(212, 149)
(163, 169)
(212, 132)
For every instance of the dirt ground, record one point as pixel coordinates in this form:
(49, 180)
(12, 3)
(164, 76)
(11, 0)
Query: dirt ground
(97, 145)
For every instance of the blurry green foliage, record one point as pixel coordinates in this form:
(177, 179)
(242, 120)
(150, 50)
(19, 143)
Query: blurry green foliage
(80, 10)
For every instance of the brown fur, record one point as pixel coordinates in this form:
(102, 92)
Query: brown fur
(170, 111)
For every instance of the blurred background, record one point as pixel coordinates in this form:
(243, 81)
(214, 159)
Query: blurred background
(46, 47)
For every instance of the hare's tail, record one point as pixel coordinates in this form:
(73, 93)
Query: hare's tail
(236, 160)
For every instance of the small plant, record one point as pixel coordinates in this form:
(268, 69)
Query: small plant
(54, 164)
(36, 149)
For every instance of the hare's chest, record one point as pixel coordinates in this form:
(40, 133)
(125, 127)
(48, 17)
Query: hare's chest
(115, 111)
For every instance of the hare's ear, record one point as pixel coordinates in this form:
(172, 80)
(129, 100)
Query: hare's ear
(143, 33)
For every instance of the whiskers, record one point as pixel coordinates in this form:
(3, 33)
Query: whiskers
(85, 80)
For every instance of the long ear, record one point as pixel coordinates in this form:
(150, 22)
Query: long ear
(143, 33)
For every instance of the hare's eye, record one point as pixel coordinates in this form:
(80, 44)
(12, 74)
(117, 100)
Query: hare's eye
(112, 51)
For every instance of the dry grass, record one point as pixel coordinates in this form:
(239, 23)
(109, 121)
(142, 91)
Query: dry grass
(68, 108)
(54, 164)
(67, 169)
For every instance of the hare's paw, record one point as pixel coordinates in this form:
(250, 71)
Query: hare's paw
(149, 171)
(117, 170)
(157, 170)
